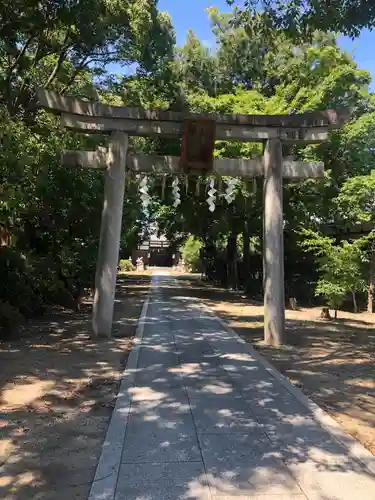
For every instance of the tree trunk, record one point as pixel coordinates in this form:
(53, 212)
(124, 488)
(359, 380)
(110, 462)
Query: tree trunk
(355, 305)
(235, 269)
(293, 303)
(232, 261)
(325, 313)
(371, 288)
(335, 313)
(246, 255)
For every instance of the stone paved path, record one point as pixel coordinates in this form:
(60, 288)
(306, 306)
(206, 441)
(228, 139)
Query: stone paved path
(206, 420)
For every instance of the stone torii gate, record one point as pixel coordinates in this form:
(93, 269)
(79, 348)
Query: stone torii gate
(120, 122)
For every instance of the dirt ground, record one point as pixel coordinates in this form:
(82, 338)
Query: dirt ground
(58, 386)
(333, 362)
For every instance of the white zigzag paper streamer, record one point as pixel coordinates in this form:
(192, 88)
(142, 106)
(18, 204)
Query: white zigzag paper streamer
(176, 192)
(143, 189)
(230, 190)
(211, 200)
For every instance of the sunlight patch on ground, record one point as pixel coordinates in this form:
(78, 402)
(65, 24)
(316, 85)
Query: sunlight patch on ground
(24, 394)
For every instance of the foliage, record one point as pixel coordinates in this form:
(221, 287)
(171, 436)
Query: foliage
(191, 253)
(242, 59)
(10, 319)
(313, 75)
(340, 266)
(300, 17)
(356, 200)
(66, 44)
(53, 213)
(333, 292)
(195, 67)
(126, 265)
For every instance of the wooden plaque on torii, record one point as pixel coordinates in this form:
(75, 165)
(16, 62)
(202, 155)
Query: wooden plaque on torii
(198, 144)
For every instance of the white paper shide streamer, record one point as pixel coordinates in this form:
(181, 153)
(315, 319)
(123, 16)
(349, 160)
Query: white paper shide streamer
(211, 200)
(176, 192)
(230, 194)
(143, 189)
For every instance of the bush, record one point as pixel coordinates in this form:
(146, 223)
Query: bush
(191, 253)
(334, 293)
(126, 265)
(10, 319)
(16, 288)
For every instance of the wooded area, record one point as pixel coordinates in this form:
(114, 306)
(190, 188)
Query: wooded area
(50, 213)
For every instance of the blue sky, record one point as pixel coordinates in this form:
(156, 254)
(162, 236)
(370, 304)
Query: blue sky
(188, 14)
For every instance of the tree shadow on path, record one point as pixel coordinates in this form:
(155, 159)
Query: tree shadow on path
(58, 389)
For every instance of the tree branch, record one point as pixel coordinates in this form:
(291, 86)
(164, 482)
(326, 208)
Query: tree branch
(61, 59)
(55, 70)
(20, 54)
(76, 72)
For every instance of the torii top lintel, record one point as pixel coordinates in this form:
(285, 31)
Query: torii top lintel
(62, 104)
(96, 117)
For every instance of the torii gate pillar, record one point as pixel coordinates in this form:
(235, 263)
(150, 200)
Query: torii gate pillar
(110, 234)
(273, 245)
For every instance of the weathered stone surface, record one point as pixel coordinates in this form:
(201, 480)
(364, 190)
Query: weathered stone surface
(166, 481)
(63, 104)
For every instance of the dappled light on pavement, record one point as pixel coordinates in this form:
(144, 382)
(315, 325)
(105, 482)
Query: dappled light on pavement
(206, 420)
